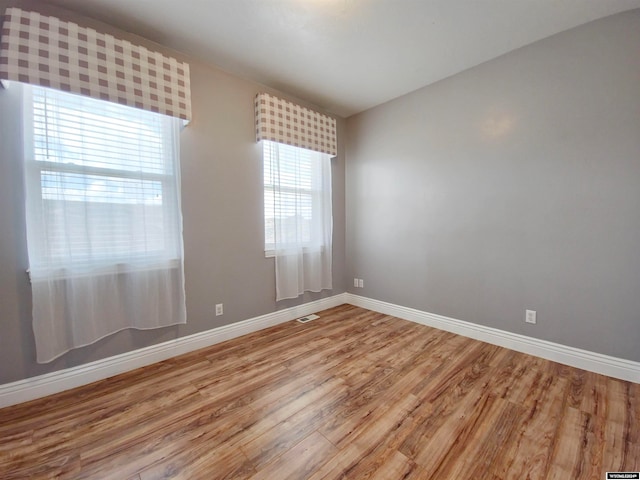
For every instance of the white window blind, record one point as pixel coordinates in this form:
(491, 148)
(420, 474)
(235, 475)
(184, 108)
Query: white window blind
(292, 194)
(298, 217)
(104, 175)
(104, 228)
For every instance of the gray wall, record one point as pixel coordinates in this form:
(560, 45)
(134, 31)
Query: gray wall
(514, 185)
(223, 222)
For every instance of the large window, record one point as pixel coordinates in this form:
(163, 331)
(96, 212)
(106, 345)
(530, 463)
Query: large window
(295, 189)
(102, 186)
(104, 228)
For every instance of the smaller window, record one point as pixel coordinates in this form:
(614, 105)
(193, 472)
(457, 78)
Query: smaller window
(295, 193)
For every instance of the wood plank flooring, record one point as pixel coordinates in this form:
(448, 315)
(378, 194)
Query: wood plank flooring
(352, 395)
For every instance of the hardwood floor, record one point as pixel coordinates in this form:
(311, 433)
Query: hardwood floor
(352, 395)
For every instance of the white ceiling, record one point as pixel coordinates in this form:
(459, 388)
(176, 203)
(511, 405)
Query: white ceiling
(346, 55)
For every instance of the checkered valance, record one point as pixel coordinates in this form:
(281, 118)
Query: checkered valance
(281, 121)
(47, 51)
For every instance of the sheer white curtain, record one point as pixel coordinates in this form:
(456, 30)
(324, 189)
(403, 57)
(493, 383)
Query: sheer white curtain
(298, 218)
(104, 227)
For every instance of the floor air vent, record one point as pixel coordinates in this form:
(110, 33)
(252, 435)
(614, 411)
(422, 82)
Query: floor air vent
(308, 318)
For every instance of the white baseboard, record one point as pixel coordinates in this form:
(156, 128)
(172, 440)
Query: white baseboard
(55, 382)
(575, 357)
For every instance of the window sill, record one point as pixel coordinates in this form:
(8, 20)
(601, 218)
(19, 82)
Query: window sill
(67, 273)
(271, 253)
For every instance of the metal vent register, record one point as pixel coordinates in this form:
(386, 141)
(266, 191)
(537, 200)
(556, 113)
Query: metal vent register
(308, 318)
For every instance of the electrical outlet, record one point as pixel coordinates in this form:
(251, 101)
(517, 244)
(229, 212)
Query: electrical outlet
(530, 316)
(355, 282)
(219, 309)
(360, 283)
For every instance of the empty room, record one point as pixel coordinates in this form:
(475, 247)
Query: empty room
(320, 239)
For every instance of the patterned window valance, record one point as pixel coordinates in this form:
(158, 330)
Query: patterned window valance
(47, 51)
(281, 121)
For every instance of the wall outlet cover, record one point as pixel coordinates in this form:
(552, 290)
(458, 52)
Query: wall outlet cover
(530, 316)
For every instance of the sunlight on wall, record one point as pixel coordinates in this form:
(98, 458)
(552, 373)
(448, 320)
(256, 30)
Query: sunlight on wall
(497, 125)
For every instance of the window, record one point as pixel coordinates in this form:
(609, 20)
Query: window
(104, 228)
(295, 190)
(101, 183)
(298, 218)
(297, 193)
